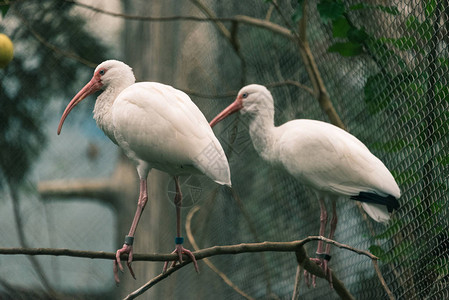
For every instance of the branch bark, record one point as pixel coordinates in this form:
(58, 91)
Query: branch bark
(200, 254)
(294, 246)
(314, 73)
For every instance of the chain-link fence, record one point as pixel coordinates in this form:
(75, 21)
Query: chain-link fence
(384, 67)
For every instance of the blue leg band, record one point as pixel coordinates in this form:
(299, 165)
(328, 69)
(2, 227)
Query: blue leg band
(179, 240)
(129, 240)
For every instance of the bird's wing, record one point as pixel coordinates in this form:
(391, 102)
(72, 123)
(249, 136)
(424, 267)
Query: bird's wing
(330, 159)
(162, 126)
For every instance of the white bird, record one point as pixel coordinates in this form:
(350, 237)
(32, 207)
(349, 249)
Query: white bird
(320, 155)
(157, 126)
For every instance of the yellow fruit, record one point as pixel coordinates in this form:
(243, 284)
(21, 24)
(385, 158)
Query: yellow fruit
(6, 50)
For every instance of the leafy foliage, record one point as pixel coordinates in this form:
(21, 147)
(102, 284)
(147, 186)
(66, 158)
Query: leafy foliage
(4, 9)
(413, 65)
(27, 85)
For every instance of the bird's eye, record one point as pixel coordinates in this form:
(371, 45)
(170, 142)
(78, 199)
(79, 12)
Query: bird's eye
(101, 72)
(245, 95)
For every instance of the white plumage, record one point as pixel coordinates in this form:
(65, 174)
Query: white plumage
(331, 160)
(157, 126)
(320, 155)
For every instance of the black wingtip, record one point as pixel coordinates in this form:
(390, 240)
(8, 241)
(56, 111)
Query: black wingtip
(389, 201)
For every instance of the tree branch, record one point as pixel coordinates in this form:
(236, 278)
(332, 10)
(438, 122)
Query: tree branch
(314, 73)
(234, 93)
(220, 26)
(302, 258)
(298, 279)
(230, 36)
(200, 254)
(382, 280)
(313, 268)
(306, 54)
(294, 246)
(242, 19)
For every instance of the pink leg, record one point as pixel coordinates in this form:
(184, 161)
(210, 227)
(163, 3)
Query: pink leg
(323, 223)
(319, 261)
(333, 226)
(179, 240)
(128, 245)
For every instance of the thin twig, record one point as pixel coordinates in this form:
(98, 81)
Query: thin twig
(155, 280)
(291, 82)
(210, 14)
(241, 19)
(382, 280)
(230, 36)
(300, 38)
(206, 260)
(234, 93)
(314, 73)
(43, 41)
(298, 279)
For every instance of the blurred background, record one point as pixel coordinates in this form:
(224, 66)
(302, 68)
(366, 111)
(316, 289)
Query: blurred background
(384, 65)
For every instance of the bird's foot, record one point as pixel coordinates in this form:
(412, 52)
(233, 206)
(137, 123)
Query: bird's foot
(128, 249)
(181, 250)
(323, 262)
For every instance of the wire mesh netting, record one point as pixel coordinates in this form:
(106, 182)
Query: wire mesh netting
(383, 66)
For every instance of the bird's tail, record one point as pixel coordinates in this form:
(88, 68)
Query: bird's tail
(376, 206)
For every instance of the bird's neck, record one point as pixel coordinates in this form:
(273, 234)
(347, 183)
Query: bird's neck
(103, 109)
(261, 130)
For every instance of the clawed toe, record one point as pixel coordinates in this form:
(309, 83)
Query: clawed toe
(180, 250)
(128, 249)
(323, 263)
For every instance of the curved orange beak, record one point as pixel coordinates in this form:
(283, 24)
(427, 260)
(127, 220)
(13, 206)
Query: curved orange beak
(232, 108)
(91, 87)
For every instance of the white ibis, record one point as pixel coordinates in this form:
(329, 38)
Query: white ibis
(157, 126)
(320, 155)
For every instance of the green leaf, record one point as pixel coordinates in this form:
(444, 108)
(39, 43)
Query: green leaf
(424, 29)
(346, 48)
(330, 10)
(392, 10)
(340, 27)
(356, 35)
(377, 250)
(390, 231)
(375, 96)
(4, 9)
(390, 146)
(430, 8)
(444, 161)
(384, 54)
